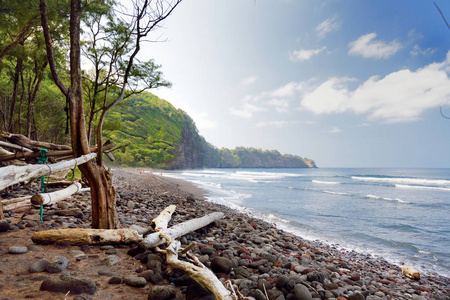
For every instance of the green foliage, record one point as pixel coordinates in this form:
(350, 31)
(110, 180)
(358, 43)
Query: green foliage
(149, 127)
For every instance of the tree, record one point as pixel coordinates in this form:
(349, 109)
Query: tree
(146, 17)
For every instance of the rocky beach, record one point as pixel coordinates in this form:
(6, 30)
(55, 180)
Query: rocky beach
(261, 261)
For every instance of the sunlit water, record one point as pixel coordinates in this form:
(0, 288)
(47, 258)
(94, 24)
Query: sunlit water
(401, 215)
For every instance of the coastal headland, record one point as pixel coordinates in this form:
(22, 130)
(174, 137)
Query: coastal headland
(261, 260)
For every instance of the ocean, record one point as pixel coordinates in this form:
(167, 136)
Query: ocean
(401, 215)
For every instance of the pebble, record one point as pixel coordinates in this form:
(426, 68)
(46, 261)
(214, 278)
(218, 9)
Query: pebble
(17, 250)
(134, 281)
(66, 283)
(39, 266)
(57, 264)
(163, 292)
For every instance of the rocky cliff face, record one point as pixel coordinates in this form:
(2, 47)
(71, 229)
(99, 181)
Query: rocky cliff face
(189, 154)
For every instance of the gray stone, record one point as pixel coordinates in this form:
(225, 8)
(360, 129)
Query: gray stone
(134, 281)
(65, 283)
(281, 281)
(221, 265)
(115, 280)
(301, 292)
(162, 292)
(147, 274)
(39, 266)
(57, 264)
(17, 250)
(241, 271)
(207, 250)
(77, 254)
(111, 260)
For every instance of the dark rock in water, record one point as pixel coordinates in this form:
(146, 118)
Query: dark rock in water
(57, 264)
(134, 281)
(163, 292)
(221, 264)
(301, 292)
(194, 291)
(65, 283)
(4, 225)
(39, 266)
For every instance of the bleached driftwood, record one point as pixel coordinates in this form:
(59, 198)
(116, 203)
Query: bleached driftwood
(49, 198)
(154, 239)
(13, 147)
(198, 272)
(410, 272)
(16, 200)
(162, 220)
(13, 174)
(82, 236)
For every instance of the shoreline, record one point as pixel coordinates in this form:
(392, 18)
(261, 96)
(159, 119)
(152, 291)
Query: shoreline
(202, 193)
(329, 253)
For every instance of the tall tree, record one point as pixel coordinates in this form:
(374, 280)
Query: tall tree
(146, 16)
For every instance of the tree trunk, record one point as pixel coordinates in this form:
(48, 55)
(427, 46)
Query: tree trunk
(17, 73)
(50, 198)
(103, 195)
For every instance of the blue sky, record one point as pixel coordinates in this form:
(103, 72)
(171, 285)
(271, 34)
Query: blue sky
(348, 83)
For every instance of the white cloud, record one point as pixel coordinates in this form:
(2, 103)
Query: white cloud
(327, 26)
(287, 90)
(426, 52)
(334, 129)
(302, 55)
(401, 96)
(247, 110)
(249, 80)
(367, 47)
(281, 105)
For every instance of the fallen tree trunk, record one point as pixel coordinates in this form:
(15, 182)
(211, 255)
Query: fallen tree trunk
(199, 273)
(83, 236)
(14, 147)
(48, 198)
(22, 140)
(162, 220)
(13, 174)
(16, 200)
(154, 239)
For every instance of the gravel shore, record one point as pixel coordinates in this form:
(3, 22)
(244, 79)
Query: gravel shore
(260, 260)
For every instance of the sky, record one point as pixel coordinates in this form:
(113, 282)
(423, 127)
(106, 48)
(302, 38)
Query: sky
(347, 83)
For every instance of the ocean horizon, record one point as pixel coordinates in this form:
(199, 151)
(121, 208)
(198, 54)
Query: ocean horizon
(400, 215)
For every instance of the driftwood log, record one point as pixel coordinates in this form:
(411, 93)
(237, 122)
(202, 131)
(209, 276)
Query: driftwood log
(49, 198)
(82, 236)
(410, 272)
(154, 239)
(13, 174)
(14, 147)
(162, 220)
(197, 272)
(22, 140)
